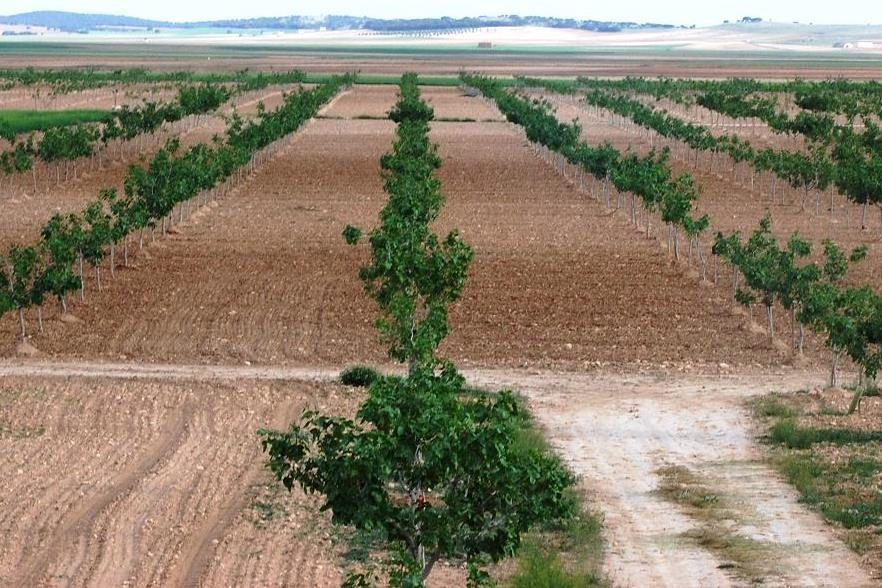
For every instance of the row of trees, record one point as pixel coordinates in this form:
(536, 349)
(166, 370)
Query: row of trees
(64, 144)
(767, 273)
(648, 178)
(54, 267)
(848, 317)
(853, 163)
(840, 96)
(68, 143)
(433, 468)
(63, 81)
(836, 154)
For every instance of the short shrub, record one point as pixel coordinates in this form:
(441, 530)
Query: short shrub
(360, 376)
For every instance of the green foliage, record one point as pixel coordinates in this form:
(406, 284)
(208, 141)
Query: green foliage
(828, 488)
(352, 235)
(360, 376)
(788, 433)
(414, 275)
(468, 492)
(538, 568)
(773, 406)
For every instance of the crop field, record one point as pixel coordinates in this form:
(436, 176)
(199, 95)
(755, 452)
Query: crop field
(24, 121)
(188, 268)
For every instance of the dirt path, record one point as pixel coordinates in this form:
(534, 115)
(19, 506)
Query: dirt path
(617, 431)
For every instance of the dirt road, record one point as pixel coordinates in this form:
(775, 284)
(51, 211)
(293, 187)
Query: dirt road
(617, 431)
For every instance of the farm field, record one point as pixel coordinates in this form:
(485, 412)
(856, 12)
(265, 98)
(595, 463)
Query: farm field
(23, 121)
(732, 205)
(128, 421)
(27, 212)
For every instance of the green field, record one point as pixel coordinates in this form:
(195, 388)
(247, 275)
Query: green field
(26, 121)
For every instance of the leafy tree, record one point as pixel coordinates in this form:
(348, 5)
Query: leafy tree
(61, 246)
(23, 287)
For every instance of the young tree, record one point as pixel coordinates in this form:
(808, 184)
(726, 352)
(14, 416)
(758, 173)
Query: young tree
(25, 262)
(59, 242)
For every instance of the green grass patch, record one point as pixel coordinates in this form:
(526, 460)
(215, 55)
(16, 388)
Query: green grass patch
(774, 406)
(26, 121)
(565, 557)
(10, 431)
(838, 492)
(793, 436)
(747, 558)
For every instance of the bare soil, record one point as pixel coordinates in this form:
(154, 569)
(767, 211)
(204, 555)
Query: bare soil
(120, 482)
(265, 277)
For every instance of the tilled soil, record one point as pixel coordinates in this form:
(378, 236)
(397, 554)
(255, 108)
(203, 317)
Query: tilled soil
(113, 482)
(265, 277)
(452, 103)
(365, 101)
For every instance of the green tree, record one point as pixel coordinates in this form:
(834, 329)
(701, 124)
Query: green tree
(439, 472)
(25, 262)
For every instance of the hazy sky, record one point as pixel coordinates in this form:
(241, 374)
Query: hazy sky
(671, 11)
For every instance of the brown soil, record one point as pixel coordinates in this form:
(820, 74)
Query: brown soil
(119, 482)
(589, 64)
(452, 103)
(267, 278)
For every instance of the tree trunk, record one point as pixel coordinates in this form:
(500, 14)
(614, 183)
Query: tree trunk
(21, 320)
(771, 323)
(856, 399)
(82, 279)
(833, 365)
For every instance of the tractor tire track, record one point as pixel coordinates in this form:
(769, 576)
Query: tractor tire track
(77, 526)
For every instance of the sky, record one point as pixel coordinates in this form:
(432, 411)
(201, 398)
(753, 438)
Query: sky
(686, 12)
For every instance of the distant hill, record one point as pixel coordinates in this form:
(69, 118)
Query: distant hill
(72, 21)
